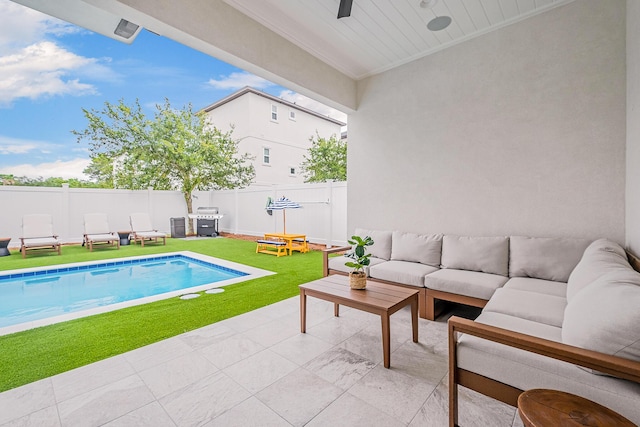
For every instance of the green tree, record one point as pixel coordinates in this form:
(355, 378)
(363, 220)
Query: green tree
(176, 150)
(326, 160)
(46, 182)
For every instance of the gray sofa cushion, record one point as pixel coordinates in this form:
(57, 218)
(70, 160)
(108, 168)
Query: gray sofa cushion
(407, 273)
(534, 306)
(337, 263)
(604, 316)
(544, 258)
(381, 247)
(526, 370)
(601, 257)
(486, 254)
(425, 249)
(470, 283)
(548, 287)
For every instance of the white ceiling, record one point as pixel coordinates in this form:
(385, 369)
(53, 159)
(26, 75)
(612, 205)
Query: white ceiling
(382, 34)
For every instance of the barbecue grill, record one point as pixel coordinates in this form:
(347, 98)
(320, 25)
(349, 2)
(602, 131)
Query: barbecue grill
(207, 221)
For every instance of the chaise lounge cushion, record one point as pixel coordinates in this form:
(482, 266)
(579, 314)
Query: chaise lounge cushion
(425, 249)
(381, 247)
(486, 254)
(544, 258)
(469, 283)
(533, 306)
(40, 241)
(337, 264)
(547, 287)
(601, 257)
(604, 316)
(406, 273)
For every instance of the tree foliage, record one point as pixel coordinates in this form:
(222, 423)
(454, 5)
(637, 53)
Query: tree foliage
(326, 160)
(176, 150)
(8, 179)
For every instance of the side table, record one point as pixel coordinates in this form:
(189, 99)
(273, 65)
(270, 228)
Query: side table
(124, 237)
(4, 243)
(542, 407)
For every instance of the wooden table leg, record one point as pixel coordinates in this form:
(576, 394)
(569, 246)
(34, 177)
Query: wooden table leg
(303, 311)
(336, 309)
(386, 339)
(414, 318)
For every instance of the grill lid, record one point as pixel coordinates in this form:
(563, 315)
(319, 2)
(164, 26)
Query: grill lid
(202, 210)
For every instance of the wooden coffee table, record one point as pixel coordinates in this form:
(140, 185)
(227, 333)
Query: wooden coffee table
(378, 298)
(541, 407)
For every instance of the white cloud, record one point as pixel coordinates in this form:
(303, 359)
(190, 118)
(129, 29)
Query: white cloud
(21, 146)
(64, 169)
(312, 105)
(239, 80)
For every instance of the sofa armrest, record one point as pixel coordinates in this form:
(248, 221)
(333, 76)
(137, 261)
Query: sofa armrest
(612, 365)
(325, 257)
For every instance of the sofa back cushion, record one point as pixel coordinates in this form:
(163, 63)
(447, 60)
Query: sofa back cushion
(601, 257)
(425, 249)
(381, 247)
(604, 316)
(485, 254)
(544, 258)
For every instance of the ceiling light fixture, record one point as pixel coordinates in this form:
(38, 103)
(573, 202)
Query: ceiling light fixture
(428, 4)
(126, 29)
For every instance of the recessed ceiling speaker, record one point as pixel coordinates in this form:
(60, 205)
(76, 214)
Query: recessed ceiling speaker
(439, 23)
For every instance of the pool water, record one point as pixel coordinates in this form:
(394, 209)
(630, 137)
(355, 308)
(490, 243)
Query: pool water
(56, 291)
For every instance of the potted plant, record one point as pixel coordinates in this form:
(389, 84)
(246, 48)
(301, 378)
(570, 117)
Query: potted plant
(357, 277)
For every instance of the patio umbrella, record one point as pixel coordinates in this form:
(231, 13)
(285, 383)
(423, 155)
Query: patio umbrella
(283, 204)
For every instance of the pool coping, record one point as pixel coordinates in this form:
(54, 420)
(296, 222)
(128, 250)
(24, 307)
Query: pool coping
(250, 274)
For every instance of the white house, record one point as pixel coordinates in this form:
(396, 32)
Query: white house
(274, 131)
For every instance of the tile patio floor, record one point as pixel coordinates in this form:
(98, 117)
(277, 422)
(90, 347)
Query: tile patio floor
(257, 369)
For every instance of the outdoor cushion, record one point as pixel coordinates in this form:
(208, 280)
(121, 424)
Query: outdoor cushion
(601, 257)
(102, 237)
(425, 249)
(548, 287)
(537, 307)
(544, 258)
(470, 283)
(486, 254)
(407, 273)
(337, 263)
(96, 223)
(526, 370)
(150, 234)
(37, 225)
(604, 316)
(381, 247)
(40, 241)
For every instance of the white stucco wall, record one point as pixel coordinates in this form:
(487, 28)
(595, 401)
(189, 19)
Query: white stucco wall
(633, 126)
(287, 140)
(520, 131)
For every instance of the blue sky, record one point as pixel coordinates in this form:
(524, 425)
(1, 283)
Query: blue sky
(50, 70)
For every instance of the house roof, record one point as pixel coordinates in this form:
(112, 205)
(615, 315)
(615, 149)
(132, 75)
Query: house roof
(272, 98)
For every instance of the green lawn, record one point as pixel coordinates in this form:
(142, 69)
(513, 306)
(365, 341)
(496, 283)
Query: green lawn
(42, 352)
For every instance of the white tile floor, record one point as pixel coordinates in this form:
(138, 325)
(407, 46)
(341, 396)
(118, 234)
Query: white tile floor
(257, 369)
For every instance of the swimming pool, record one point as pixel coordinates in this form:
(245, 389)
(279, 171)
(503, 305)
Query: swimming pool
(41, 296)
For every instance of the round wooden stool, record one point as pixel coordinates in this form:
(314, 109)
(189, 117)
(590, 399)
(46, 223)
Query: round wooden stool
(541, 408)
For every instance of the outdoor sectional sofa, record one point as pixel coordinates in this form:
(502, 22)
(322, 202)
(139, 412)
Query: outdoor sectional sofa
(557, 313)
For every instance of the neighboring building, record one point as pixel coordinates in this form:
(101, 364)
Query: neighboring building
(276, 132)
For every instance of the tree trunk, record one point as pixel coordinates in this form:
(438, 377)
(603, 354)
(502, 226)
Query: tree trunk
(188, 199)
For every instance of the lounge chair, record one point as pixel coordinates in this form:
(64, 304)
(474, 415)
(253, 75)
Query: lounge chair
(96, 230)
(37, 233)
(142, 229)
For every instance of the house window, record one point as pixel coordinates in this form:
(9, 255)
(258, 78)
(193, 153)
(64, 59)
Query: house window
(266, 155)
(292, 115)
(292, 171)
(274, 113)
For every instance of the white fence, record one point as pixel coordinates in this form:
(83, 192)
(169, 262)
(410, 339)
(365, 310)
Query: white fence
(323, 217)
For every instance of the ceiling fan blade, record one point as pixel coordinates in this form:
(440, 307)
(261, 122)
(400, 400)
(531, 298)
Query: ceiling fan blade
(345, 8)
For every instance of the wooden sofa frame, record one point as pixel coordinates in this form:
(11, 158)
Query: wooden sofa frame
(616, 366)
(429, 306)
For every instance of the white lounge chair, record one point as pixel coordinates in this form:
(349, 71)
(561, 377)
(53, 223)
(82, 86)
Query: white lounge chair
(142, 229)
(37, 233)
(96, 230)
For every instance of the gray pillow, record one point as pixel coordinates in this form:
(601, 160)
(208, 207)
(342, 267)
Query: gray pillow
(604, 316)
(544, 258)
(381, 247)
(601, 257)
(486, 254)
(416, 248)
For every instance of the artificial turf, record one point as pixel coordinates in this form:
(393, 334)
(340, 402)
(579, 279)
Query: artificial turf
(42, 352)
